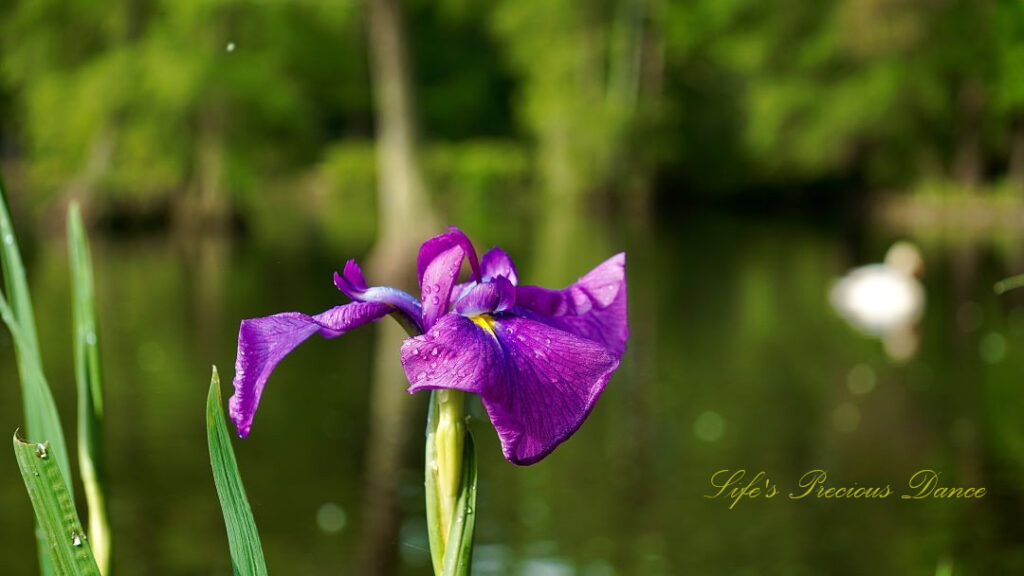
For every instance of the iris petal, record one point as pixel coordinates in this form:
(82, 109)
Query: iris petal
(438, 265)
(455, 354)
(497, 263)
(496, 295)
(352, 284)
(432, 248)
(594, 307)
(264, 342)
(537, 382)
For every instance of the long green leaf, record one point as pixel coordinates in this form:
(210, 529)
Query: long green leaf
(244, 539)
(41, 417)
(15, 285)
(65, 539)
(91, 460)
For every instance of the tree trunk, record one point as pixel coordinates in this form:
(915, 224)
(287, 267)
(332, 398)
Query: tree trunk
(404, 220)
(404, 215)
(968, 162)
(211, 208)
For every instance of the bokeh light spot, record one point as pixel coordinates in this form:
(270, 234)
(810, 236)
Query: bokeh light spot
(709, 426)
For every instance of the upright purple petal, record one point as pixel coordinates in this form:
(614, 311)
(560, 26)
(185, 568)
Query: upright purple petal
(497, 263)
(496, 295)
(438, 264)
(432, 248)
(264, 342)
(594, 307)
(538, 383)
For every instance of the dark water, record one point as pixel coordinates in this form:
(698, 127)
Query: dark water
(736, 362)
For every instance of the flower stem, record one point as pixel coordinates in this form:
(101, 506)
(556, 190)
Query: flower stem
(449, 498)
(449, 439)
(450, 477)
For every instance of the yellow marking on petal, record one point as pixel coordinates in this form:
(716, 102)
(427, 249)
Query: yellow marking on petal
(486, 322)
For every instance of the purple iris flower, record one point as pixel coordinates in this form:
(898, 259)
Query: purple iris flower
(538, 358)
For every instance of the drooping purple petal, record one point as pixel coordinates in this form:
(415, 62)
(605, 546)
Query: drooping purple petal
(352, 283)
(496, 295)
(537, 382)
(594, 307)
(497, 263)
(456, 353)
(438, 265)
(264, 342)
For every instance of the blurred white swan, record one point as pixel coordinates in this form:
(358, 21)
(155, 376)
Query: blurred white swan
(885, 300)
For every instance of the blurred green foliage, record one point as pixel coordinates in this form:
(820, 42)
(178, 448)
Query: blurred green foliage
(210, 105)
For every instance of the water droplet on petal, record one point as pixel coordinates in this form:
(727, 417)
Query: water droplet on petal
(76, 540)
(433, 364)
(437, 333)
(433, 352)
(426, 289)
(415, 351)
(421, 376)
(547, 340)
(437, 287)
(521, 338)
(41, 451)
(436, 299)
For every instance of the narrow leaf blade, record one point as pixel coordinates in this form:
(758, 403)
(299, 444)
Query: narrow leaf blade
(88, 376)
(15, 284)
(458, 556)
(243, 538)
(41, 417)
(66, 542)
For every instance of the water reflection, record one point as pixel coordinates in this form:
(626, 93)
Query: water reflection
(736, 361)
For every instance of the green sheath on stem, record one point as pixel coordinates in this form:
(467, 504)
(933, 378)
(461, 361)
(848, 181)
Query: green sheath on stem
(451, 479)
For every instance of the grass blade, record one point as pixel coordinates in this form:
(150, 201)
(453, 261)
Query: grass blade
(88, 376)
(41, 417)
(15, 285)
(66, 541)
(244, 539)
